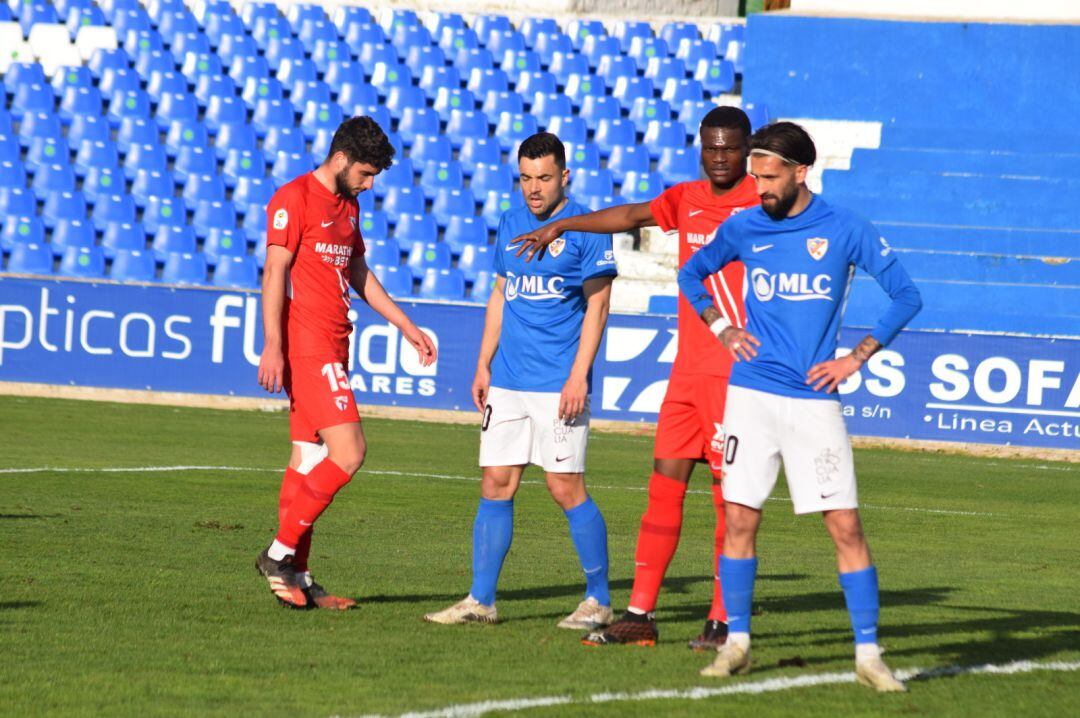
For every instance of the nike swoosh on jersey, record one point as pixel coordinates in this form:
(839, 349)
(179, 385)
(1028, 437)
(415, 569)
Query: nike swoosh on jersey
(326, 224)
(511, 247)
(694, 212)
(762, 248)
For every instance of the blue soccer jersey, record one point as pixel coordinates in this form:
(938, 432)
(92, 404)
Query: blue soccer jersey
(798, 275)
(545, 304)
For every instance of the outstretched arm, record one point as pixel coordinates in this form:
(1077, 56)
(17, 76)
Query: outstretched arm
(371, 290)
(605, 221)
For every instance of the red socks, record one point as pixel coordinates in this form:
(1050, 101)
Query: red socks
(717, 612)
(289, 487)
(312, 497)
(657, 540)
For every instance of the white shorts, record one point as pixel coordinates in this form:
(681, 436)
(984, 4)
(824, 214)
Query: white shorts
(809, 434)
(523, 427)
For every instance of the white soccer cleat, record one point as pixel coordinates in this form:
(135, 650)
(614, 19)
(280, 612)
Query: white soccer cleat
(873, 673)
(731, 659)
(588, 616)
(467, 610)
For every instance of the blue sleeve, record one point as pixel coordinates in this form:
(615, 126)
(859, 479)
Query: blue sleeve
(502, 238)
(708, 260)
(874, 256)
(597, 256)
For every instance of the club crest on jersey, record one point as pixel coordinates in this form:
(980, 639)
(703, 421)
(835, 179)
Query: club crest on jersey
(817, 247)
(281, 219)
(556, 247)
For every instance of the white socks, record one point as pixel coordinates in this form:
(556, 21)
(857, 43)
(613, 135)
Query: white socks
(742, 640)
(278, 551)
(866, 652)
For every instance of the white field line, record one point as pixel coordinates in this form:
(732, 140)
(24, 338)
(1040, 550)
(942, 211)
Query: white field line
(413, 474)
(771, 685)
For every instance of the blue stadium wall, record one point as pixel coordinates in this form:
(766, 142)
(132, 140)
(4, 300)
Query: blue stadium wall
(997, 78)
(987, 389)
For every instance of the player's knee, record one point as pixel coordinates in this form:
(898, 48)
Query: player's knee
(567, 492)
(351, 459)
(677, 469)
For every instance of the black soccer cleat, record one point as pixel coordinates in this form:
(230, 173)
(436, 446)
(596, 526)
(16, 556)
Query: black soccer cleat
(712, 636)
(281, 575)
(633, 629)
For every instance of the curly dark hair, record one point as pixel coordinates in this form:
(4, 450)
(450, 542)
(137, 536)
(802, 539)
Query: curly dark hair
(362, 140)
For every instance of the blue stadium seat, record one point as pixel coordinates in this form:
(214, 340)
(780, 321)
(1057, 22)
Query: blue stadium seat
(136, 131)
(546, 106)
(118, 79)
(496, 203)
(156, 62)
(565, 64)
(288, 167)
(569, 129)
(252, 12)
(133, 265)
(236, 272)
(39, 124)
(532, 27)
(22, 230)
(112, 208)
(444, 284)
(479, 150)
(252, 190)
(496, 103)
(320, 145)
(237, 138)
(487, 178)
(268, 30)
(584, 154)
(137, 41)
(481, 82)
(598, 203)
(46, 151)
(548, 44)
(580, 30)
(344, 72)
(122, 236)
(213, 215)
(433, 79)
(388, 75)
(100, 62)
(427, 149)
(304, 92)
(300, 13)
(210, 86)
(329, 53)
(314, 32)
(32, 97)
(646, 110)
(220, 111)
(661, 69)
(663, 135)
(30, 258)
(674, 32)
(716, 76)
(528, 84)
(420, 57)
(175, 22)
(345, 16)
(692, 112)
(382, 118)
(447, 100)
(679, 165)
(465, 124)
(184, 268)
(629, 89)
(273, 113)
(692, 51)
(83, 262)
(244, 67)
(162, 82)
(627, 30)
(581, 87)
(409, 36)
(17, 201)
(79, 76)
(162, 211)
(169, 239)
(482, 287)
(441, 175)
(677, 92)
(88, 128)
(642, 186)
(501, 41)
(513, 62)
(463, 231)
(452, 39)
(514, 127)
(262, 88)
(417, 121)
(386, 252)
(469, 59)
(254, 225)
(72, 233)
(399, 174)
(193, 160)
(397, 281)
(248, 164)
(597, 47)
(591, 183)
(100, 181)
(374, 224)
(53, 178)
(485, 24)
(130, 19)
(758, 114)
(477, 258)
(224, 242)
(147, 157)
(414, 229)
(203, 187)
(374, 52)
(12, 173)
(353, 94)
(450, 202)
(613, 133)
(612, 67)
(399, 201)
(221, 26)
(61, 206)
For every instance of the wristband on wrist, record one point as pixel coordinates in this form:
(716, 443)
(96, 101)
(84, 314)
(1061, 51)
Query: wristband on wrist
(718, 326)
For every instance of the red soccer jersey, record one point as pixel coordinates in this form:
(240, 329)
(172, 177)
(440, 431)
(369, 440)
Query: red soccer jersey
(696, 212)
(322, 231)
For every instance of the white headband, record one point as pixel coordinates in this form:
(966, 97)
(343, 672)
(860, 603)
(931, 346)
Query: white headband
(770, 153)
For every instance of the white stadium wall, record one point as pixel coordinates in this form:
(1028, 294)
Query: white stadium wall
(985, 10)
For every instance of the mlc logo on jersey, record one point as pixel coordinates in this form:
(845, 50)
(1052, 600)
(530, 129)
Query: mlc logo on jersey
(792, 287)
(817, 247)
(532, 287)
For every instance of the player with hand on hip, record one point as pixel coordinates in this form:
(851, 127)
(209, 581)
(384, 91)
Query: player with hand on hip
(542, 329)
(800, 254)
(314, 254)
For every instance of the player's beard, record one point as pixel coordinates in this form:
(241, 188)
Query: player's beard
(341, 185)
(778, 207)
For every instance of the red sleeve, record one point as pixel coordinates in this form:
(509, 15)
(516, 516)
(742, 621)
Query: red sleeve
(285, 219)
(665, 208)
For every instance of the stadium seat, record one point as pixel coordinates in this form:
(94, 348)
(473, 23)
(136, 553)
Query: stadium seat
(46, 151)
(224, 111)
(642, 186)
(151, 157)
(481, 81)
(162, 82)
(72, 77)
(204, 187)
(629, 89)
(61, 206)
(586, 182)
(452, 39)
(193, 160)
(450, 202)
(100, 181)
(513, 62)
(612, 67)
(236, 272)
(544, 106)
(397, 281)
(427, 149)
(53, 178)
(23, 73)
(388, 75)
(465, 124)
(463, 231)
(482, 287)
(580, 29)
(344, 72)
(243, 164)
(693, 51)
(499, 42)
(210, 215)
(399, 174)
(496, 203)
(598, 203)
(236, 138)
(533, 27)
(487, 178)
(675, 32)
(273, 113)
(677, 92)
(18, 201)
(565, 64)
(224, 242)
(469, 59)
(39, 124)
(613, 133)
(136, 131)
(221, 27)
(716, 76)
(156, 62)
(413, 229)
(118, 79)
(692, 112)
(664, 135)
(399, 201)
(22, 230)
(244, 67)
(549, 44)
(131, 103)
(133, 265)
(373, 52)
(447, 100)
(262, 88)
(122, 236)
(374, 225)
(288, 167)
(484, 25)
(184, 268)
(88, 128)
(496, 103)
(477, 258)
(169, 239)
(569, 129)
(83, 262)
(319, 116)
(661, 69)
(646, 110)
(30, 258)
(514, 127)
(444, 284)
(479, 150)
(210, 86)
(679, 165)
(252, 190)
(32, 97)
(433, 79)
(417, 121)
(254, 225)
(162, 211)
(597, 47)
(386, 252)
(305, 92)
(580, 87)
(72, 233)
(758, 114)
(441, 175)
(585, 154)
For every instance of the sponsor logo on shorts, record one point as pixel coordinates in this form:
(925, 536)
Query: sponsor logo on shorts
(560, 459)
(717, 443)
(827, 467)
(342, 402)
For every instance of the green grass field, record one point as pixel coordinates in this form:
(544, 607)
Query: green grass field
(134, 592)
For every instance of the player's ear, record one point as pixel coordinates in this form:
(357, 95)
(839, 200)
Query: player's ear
(800, 173)
(565, 176)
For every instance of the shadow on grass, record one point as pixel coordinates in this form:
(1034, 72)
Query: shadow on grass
(30, 516)
(12, 605)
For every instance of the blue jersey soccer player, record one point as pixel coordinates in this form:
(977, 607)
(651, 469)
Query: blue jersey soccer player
(800, 254)
(542, 330)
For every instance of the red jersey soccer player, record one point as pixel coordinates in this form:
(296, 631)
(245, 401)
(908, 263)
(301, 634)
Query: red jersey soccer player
(691, 415)
(314, 254)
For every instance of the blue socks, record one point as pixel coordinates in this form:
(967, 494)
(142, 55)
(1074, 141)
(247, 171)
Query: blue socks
(861, 595)
(493, 531)
(737, 582)
(589, 532)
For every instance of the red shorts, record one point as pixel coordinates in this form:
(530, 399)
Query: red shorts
(320, 396)
(691, 420)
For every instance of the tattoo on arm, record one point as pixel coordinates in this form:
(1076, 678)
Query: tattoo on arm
(710, 315)
(866, 349)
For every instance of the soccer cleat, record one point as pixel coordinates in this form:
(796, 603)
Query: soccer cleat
(467, 610)
(318, 597)
(712, 637)
(588, 616)
(873, 673)
(282, 579)
(633, 629)
(732, 659)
